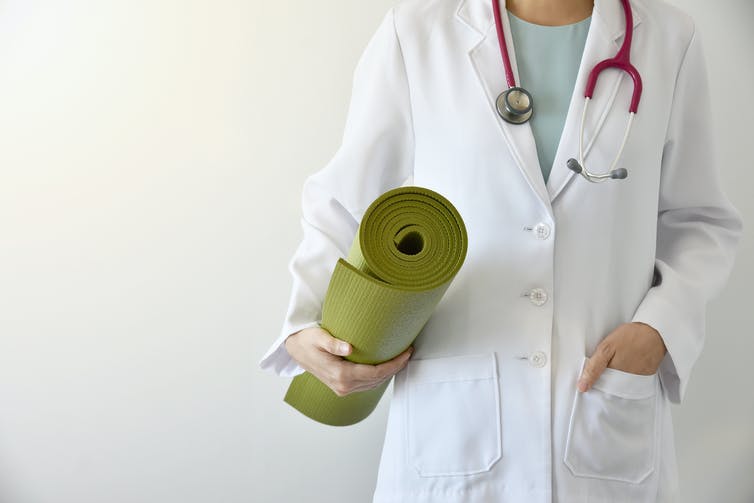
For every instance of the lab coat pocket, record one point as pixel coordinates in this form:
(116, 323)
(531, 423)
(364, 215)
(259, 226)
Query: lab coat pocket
(453, 415)
(614, 427)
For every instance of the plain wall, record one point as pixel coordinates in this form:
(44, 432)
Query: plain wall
(152, 154)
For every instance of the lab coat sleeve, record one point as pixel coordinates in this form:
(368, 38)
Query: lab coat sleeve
(376, 155)
(698, 229)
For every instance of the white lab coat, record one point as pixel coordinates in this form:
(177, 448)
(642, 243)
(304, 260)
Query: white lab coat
(487, 410)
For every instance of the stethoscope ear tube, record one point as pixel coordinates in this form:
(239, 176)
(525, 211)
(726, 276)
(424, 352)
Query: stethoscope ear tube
(612, 173)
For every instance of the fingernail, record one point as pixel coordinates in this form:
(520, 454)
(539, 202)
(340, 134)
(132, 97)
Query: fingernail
(343, 347)
(582, 385)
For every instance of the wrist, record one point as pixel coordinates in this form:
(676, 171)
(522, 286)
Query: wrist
(650, 330)
(289, 339)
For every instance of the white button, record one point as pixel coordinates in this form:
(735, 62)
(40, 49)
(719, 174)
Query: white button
(542, 230)
(537, 296)
(538, 359)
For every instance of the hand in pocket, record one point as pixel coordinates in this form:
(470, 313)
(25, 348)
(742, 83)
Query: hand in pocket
(635, 348)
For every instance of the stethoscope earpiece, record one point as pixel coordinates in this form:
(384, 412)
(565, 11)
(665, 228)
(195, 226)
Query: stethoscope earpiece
(514, 105)
(614, 174)
(619, 174)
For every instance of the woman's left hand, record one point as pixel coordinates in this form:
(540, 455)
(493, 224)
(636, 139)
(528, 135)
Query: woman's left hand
(634, 347)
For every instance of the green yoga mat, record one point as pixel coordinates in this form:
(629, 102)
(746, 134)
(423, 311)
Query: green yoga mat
(409, 246)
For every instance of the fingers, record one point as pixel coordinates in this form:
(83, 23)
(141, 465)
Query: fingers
(390, 368)
(352, 377)
(383, 371)
(330, 344)
(595, 365)
(318, 352)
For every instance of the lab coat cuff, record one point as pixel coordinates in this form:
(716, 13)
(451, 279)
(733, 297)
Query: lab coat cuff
(278, 360)
(675, 368)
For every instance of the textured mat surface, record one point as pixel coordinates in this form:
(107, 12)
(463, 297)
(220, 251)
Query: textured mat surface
(409, 246)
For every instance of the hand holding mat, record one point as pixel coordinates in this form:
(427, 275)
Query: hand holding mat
(408, 248)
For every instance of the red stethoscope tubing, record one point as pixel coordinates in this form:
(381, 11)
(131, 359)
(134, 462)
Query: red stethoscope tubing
(621, 61)
(503, 46)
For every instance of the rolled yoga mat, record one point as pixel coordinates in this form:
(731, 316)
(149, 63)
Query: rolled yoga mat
(407, 250)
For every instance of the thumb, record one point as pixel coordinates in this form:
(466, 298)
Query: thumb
(332, 345)
(595, 365)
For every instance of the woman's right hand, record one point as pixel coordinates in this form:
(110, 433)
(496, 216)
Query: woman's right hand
(321, 354)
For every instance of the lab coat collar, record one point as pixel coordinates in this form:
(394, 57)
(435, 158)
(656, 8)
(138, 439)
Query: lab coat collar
(606, 27)
(477, 15)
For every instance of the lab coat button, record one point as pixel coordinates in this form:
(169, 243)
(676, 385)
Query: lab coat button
(538, 359)
(537, 296)
(542, 231)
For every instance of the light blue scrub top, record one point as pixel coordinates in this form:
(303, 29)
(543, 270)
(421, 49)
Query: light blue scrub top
(548, 59)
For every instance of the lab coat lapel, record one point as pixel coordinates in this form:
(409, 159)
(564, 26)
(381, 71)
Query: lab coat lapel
(605, 36)
(487, 64)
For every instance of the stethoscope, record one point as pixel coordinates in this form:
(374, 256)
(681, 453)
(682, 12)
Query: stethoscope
(515, 104)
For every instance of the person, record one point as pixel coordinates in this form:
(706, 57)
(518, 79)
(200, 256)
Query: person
(547, 371)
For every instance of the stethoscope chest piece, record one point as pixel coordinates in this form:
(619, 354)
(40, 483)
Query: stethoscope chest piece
(514, 105)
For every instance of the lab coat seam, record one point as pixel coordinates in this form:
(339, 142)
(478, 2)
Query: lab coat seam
(469, 23)
(460, 17)
(408, 92)
(615, 19)
(681, 67)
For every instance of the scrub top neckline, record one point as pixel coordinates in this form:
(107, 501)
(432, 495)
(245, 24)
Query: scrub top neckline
(586, 20)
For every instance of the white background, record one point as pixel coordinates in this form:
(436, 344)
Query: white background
(152, 154)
